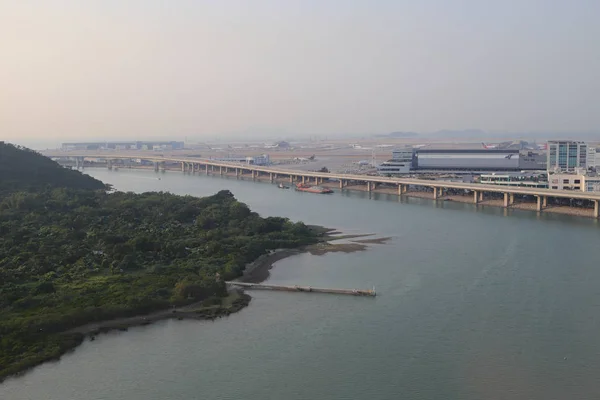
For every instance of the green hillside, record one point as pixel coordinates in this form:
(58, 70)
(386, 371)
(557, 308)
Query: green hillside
(22, 169)
(72, 255)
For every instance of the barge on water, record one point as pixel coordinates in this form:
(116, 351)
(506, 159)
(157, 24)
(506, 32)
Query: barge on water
(303, 187)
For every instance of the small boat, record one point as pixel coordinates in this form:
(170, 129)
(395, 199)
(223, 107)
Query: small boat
(302, 187)
(282, 186)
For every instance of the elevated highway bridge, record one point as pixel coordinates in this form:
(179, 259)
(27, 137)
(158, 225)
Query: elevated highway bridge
(194, 164)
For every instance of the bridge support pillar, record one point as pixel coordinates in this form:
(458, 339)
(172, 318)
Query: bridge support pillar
(369, 187)
(220, 170)
(596, 209)
(545, 202)
(341, 183)
(480, 196)
(511, 199)
(109, 164)
(291, 178)
(303, 179)
(237, 172)
(182, 166)
(206, 169)
(475, 196)
(505, 200)
(253, 174)
(539, 203)
(271, 177)
(435, 193)
(156, 166)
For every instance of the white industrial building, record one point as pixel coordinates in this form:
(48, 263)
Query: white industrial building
(578, 182)
(263, 159)
(405, 160)
(400, 164)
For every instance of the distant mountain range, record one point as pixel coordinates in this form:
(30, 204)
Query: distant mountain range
(398, 135)
(480, 134)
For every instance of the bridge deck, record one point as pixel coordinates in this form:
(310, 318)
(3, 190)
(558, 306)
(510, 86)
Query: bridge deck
(346, 177)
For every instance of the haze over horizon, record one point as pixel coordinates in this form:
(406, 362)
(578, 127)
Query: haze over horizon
(108, 69)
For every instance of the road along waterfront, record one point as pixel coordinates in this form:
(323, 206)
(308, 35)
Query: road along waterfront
(473, 303)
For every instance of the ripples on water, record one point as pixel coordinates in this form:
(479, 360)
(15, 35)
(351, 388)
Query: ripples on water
(474, 304)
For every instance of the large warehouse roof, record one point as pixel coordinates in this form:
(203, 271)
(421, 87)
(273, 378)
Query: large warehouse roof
(467, 151)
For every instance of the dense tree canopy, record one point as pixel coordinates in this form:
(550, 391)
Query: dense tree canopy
(24, 169)
(73, 256)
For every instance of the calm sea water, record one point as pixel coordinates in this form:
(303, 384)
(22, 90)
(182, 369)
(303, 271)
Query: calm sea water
(474, 304)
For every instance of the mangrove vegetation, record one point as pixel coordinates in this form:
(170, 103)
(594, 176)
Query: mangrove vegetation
(71, 254)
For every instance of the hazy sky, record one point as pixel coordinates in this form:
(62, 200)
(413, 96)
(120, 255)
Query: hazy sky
(136, 69)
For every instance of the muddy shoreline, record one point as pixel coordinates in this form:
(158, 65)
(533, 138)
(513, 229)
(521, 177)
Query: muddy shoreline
(259, 270)
(197, 311)
(236, 301)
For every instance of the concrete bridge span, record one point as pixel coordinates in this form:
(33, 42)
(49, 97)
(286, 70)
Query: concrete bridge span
(193, 164)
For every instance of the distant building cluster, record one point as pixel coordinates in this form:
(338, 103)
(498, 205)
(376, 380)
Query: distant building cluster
(572, 165)
(558, 165)
(134, 145)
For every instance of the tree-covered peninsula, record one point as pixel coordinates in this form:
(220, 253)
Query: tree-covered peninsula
(22, 169)
(71, 254)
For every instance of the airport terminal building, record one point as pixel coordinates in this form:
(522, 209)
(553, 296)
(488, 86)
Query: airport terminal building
(467, 160)
(410, 160)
